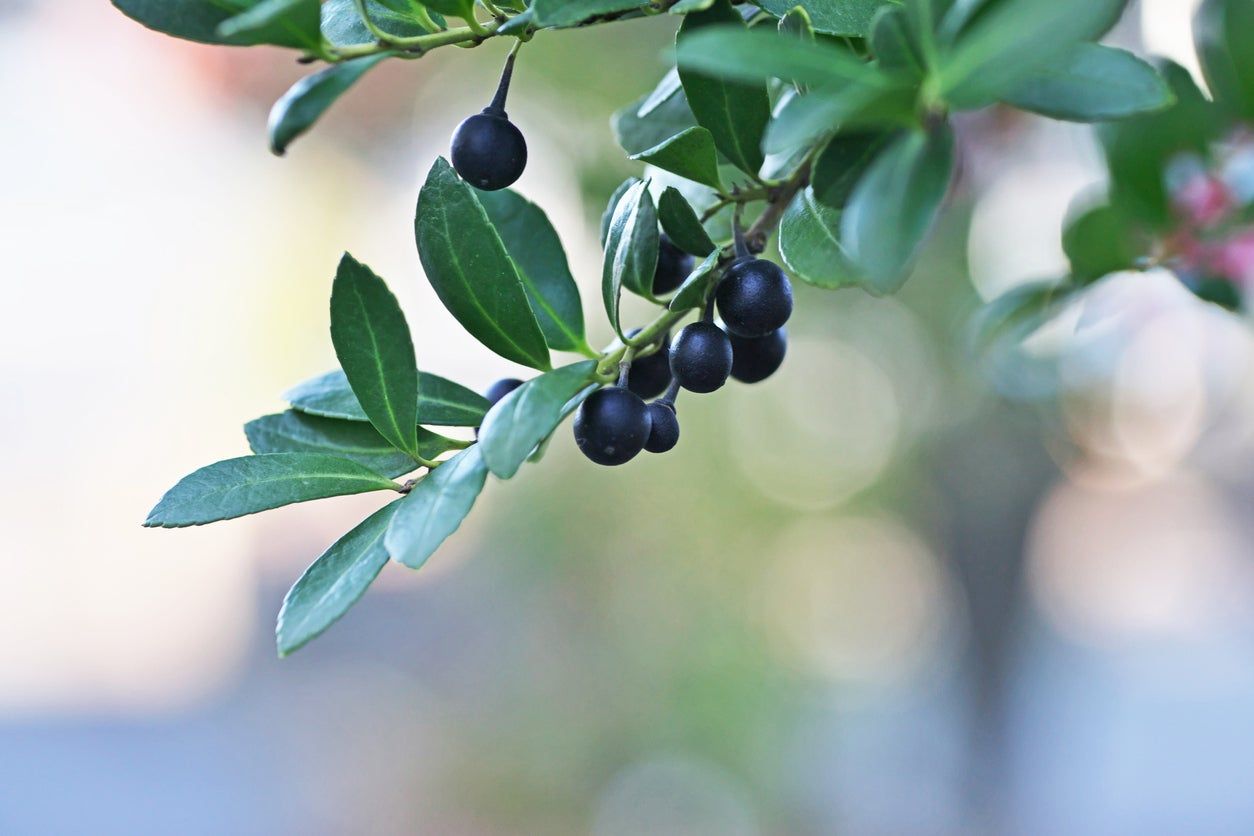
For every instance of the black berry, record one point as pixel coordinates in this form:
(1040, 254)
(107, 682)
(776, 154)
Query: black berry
(663, 429)
(673, 266)
(756, 359)
(501, 388)
(612, 426)
(650, 375)
(701, 357)
(754, 298)
(489, 151)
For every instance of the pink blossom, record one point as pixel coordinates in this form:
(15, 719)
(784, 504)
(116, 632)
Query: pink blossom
(1202, 200)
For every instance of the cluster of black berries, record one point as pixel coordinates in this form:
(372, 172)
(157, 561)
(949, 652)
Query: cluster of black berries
(754, 299)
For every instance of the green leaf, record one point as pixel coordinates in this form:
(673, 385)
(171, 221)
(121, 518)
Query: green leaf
(842, 162)
(734, 112)
(732, 52)
(1138, 150)
(894, 204)
(695, 289)
(343, 26)
(466, 262)
(558, 13)
(1013, 39)
(465, 9)
(684, 7)
(896, 45)
(191, 20)
(1098, 241)
(441, 402)
(631, 249)
(797, 24)
(680, 222)
(608, 214)
(435, 508)
(832, 17)
(334, 582)
(665, 89)
(296, 432)
(805, 119)
(237, 487)
(1092, 83)
(536, 250)
(526, 416)
(293, 23)
(1224, 34)
(690, 154)
(373, 345)
(637, 129)
(303, 105)
(810, 246)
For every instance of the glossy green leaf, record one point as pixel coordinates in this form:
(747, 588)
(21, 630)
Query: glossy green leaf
(631, 249)
(1100, 240)
(608, 214)
(805, 119)
(305, 102)
(690, 154)
(236, 487)
(894, 205)
(292, 23)
(637, 130)
(895, 43)
(465, 9)
(842, 162)
(526, 416)
(466, 262)
(832, 17)
(679, 221)
(334, 582)
(558, 13)
(533, 244)
(441, 402)
(732, 52)
(1224, 34)
(809, 243)
(297, 432)
(192, 20)
(1013, 39)
(375, 351)
(734, 112)
(695, 289)
(342, 25)
(665, 89)
(435, 508)
(1092, 83)
(684, 7)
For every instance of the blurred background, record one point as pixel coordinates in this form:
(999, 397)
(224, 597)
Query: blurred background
(886, 592)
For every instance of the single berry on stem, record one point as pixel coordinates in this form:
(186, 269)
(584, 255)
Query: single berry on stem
(612, 426)
(673, 266)
(701, 357)
(663, 428)
(651, 374)
(754, 298)
(489, 151)
(754, 359)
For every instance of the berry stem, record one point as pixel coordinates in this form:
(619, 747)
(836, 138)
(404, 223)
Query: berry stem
(502, 89)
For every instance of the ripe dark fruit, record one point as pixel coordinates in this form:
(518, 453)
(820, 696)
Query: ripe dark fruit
(754, 298)
(673, 266)
(612, 426)
(701, 357)
(754, 360)
(664, 428)
(650, 375)
(489, 151)
(501, 388)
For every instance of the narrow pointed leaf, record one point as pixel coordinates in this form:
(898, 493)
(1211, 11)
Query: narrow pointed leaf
(608, 214)
(303, 105)
(732, 52)
(296, 432)
(637, 131)
(679, 220)
(292, 23)
(1092, 83)
(734, 112)
(690, 154)
(631, 249)
(533, 244)
(526, 416)
(441, 402)
(236, 487)
(333, 582)
(435, 508)
(894, 205)
(467, 264)
(198, 20)
(832, 17)
(694, 290)
(375, 351)
(559, 13)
